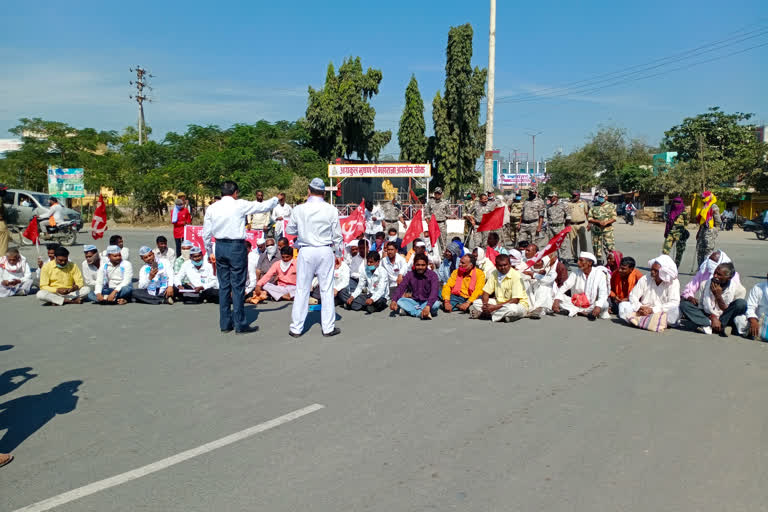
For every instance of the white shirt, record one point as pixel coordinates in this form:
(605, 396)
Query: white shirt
(661, 297)
(19, 271)
(708, 302)
(90, 272)
(114, 277)
(355, 263)
(341, 277)
(124, 252)
(394, 269)
(757, 301)
(162, 280)
(170, 254)
(316, 224)
(283, 211)
(377, 284)
(577, 283)
(253, 263)
(55, 211)
(374, 226)
(226, 218)
(198, 276)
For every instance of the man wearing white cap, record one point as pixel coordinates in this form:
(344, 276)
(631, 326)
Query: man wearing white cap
(91, 265)
(657, 293)
(225, 221)
(196, 281)
(155, 279)
(589, 290)
(113, 282)
(316, 225)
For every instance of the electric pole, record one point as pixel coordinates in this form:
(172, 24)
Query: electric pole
(141, 83)
(533, 149)
(488, 170)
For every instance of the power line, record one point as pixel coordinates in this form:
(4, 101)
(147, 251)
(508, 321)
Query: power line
(619, 82)
(142, 82)
(639, 68)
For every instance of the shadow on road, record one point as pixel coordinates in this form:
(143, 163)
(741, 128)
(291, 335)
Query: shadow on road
(5, 347)
(7, 379)
(252, 312)
(313, 317)
(24, 416)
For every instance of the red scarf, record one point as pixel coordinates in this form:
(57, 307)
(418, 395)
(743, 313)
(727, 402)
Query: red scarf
(460, 279)
(491, 254)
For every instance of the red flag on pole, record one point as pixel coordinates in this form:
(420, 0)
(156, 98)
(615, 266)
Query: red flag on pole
(354, 225)
(99, 222)
(434, 230)
(415, 229)
(492, 220)
(414, 197)
(553, 245)
(32, 233)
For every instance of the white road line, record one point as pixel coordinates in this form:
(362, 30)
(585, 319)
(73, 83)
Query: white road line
(122, 478)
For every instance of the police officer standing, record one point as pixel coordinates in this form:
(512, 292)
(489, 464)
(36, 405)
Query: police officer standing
(392, 214)
(475, 217)
(579, 210)
(557, 216)
(602, 215)
(442, 211)
(515, 214)
(532, 218)
(225, 221)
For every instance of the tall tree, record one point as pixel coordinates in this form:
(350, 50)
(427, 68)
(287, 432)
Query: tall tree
(410, 136)
(459, 138)
(340, 119)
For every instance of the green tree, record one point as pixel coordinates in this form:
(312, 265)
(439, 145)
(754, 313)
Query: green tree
(339, 117)
(459, 138)
(410, 136)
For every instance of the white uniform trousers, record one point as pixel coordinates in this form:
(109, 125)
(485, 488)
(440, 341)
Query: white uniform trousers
(314, 261)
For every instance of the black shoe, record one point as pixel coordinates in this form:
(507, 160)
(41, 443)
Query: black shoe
(334, 332)
(247, 330)
(294, 335)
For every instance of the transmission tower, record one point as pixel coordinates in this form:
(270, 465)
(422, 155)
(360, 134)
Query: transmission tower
(141, 83)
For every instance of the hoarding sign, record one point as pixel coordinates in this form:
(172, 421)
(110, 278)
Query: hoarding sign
(379, 170)
(66, 182)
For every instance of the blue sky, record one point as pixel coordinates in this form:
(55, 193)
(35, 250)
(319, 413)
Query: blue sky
(227, 62)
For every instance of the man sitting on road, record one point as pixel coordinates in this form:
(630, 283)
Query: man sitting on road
(162, 251)
(541, 290)
(588, 285)
(186, 247)
(622, 283)
(285, 286)
(464, 286)
(392, 237)
(15, 275)
(61, 281)
(91, 265)
(656, 293)
(155, 279)
(355, 259)
(340, 284)
(418, 294)
(718, 308)
(196, 281)
(113, 282)
(504, 298)
(118, 241)
(494, 247)
(50, 250)
(372, 291)
(395, 266)
(757, 309)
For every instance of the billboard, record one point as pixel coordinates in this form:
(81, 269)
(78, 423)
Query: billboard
(379, 170)
(66, 182)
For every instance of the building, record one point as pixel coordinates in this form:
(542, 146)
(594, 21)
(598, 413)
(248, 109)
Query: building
(9, 145)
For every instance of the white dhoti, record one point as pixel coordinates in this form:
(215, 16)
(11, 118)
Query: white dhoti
(20, 289)
(314, 261)
(541, 296)
(46, 296)
(505, 311)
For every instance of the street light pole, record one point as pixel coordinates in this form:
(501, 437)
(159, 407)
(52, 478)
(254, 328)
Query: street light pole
(488, 168)
(533, 149)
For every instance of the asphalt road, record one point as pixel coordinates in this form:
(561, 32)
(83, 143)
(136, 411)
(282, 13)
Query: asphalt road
(555, 415)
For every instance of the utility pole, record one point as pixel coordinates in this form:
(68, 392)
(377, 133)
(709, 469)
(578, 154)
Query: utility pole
(141, 83)
(700, 140)
(488, 170)
(533, 150)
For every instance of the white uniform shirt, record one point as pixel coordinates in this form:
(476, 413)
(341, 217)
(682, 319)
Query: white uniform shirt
(757, 301)
(114, 277)
(394, 269)
(197, 276)
(90, 273)
(226, 218)
(661, 297)
(169, 255)
(162, 280)
(316, 224)
(376, 284)
(283, 211)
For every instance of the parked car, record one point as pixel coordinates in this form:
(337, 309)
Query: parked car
(22, 205)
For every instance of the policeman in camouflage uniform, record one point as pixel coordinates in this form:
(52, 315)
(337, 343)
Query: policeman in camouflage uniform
(677, 237)
(706, 236)
(392, 214)
(515, 214)
(531, 218)
(475, 217)
(602, 215)
(579, 211)
(442, 210)
(557, 215)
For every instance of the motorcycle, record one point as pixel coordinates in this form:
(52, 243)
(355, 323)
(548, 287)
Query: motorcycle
(64, 233)
(629, 216)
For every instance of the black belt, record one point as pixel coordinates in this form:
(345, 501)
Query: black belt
(530, 221)
(391, 220)
(577, 223)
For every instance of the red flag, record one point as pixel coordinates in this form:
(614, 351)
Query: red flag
(415, 229)
(32, 233)
(491, 254)
(354, 225)
(553, 245)
(434, 230)
(99, 222)
(414, 197)
(492, 220)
